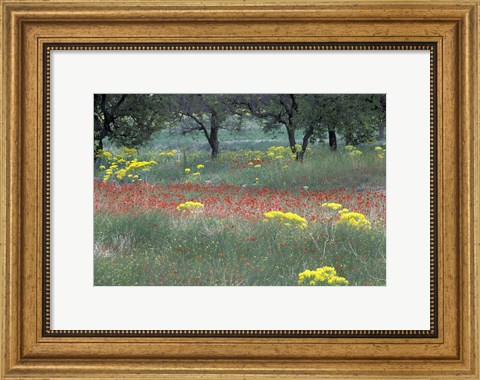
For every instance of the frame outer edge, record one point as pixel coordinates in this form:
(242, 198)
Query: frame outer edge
(468, 135)
(10, 185)
(3, 193)
(10, 188)
(475, 240)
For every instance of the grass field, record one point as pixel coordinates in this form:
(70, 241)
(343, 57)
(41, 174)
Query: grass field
(168, 214)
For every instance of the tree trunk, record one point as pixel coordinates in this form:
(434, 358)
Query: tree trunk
(381, 131)
(214, 147)
(291, 139)
(213, 139)
(306, 139)
(332, 140)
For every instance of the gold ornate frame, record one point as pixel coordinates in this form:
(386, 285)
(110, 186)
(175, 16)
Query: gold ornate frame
(30, 27)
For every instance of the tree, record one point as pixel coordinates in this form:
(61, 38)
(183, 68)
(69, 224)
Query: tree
(104, 116)
(355, 116)
(274, 110)
(127, 120)
(316, 114)
(362, 116)
(206, 113)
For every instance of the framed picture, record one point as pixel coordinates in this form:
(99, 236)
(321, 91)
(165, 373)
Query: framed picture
(251, 189)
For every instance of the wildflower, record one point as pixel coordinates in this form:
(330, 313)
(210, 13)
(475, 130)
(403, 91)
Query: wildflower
(144, 165)
(190, 206)
(378, 148)
(353, 151)
(279, 157)
(130, 151)
(121, 173)
(196, 174)
(102, 167)
(200, 166)
(325, 276)
(355, 219)
(188, 170)
(257, 166)
(286, 218)
(332, 205)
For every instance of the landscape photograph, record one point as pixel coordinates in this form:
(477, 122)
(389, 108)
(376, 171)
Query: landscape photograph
(239, 189)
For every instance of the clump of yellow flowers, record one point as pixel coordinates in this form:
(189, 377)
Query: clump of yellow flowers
(288, 219)
(354, 219)
(352, 151)
(332, 205)
(123, 165)
(380, 150)
(195, 175)
(325, 276)
(349, 218)
(191, 206)
(170, 153)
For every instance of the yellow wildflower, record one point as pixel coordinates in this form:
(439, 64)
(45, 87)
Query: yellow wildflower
(192, 206)
(286, 218)
(332, 205)
(325, 276)
(355, 219)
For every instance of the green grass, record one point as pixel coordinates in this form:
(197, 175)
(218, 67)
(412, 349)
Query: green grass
(154, 249)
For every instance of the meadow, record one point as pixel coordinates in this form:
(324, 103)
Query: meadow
(168, 214)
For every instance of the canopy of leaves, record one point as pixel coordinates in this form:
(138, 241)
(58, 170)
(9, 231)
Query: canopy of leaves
(131, 119)
(128, 120)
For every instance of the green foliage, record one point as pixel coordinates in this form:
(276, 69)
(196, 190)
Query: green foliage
(128, 119)
(132, 120)
(355, 116)
(356, 134)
